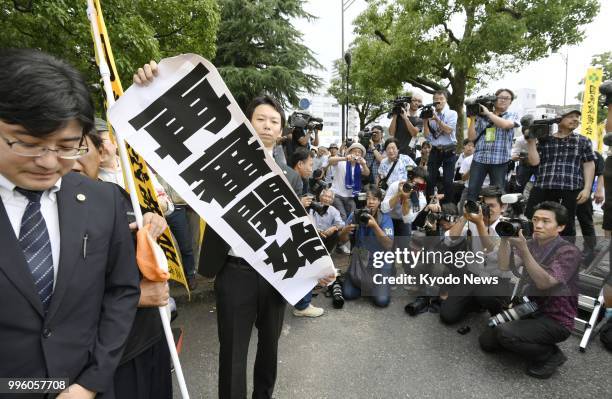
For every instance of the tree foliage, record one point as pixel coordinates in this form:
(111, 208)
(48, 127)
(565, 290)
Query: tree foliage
(603, 61)
(139, 30)
(260, 51)
(462, 44)
(368, 100)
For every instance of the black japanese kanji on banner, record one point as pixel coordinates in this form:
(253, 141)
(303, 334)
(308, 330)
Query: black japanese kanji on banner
(181, 111)
(227, 167)
(257, 215)
(292, 255)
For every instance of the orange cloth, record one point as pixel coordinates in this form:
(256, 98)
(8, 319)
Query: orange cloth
(145, 257)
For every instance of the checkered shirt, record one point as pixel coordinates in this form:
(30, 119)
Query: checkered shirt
(498, 151)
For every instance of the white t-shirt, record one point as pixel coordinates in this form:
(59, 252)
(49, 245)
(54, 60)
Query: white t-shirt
(465, 167)
(338, 185)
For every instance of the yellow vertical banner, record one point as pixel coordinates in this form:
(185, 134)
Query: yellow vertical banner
(590, 103)
(147, 196)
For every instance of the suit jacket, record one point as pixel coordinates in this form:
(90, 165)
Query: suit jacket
(95, 296)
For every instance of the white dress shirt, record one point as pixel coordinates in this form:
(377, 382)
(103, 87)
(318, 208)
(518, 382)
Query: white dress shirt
(15, 205)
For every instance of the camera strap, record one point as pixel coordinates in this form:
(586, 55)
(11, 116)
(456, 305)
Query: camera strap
(384, 179)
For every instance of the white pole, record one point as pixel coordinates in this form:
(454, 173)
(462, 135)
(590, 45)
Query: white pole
(125, 163)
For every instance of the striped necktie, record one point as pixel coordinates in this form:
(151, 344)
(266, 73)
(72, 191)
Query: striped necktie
(36, 246)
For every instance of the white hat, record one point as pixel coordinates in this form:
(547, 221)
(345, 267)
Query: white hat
(357, 145)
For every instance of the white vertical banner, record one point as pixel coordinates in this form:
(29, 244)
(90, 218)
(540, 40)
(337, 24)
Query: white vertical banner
(188, 127)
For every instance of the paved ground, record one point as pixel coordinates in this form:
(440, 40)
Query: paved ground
(365, 352)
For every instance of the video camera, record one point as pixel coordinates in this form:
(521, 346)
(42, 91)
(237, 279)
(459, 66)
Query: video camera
(364, 137)
(472, 105)
(304, 121)
(606, 90)
(513, 219)
(398, 105)
(427, 111)
(537, 128)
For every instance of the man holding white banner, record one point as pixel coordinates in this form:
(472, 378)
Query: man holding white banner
(193, 133)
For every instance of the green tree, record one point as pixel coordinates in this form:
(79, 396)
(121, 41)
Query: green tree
(368, 100)
(139, 30)
(260, 51)
(461, 44)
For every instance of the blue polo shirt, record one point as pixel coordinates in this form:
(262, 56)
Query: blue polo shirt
(436, 137)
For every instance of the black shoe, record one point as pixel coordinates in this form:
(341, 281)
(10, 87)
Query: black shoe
(192, 283)
(545, 369)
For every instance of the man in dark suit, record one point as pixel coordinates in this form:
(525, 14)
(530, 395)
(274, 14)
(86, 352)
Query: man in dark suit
(68, 276)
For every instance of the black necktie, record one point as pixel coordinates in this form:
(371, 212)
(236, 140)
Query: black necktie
(36, 246)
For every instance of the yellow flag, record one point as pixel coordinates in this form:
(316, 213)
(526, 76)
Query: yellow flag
(147, 197)
(590, 103)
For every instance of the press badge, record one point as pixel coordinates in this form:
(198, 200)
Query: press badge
(490, 134)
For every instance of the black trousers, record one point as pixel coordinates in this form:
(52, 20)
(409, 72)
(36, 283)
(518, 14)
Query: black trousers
(584, 213)
(331, 241)
(463, 299)
(534, 339)
(245, 298)
(147, 376)
(566, 198)
(447, 160)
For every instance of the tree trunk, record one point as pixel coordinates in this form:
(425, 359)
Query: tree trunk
(455, 102)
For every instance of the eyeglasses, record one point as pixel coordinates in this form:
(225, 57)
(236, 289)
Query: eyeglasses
(504, 98)
(35, 151)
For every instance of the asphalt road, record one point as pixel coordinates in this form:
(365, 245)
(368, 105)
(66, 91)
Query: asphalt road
(365, 352)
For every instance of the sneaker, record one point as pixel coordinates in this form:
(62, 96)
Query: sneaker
(545, 369)
(310, 311)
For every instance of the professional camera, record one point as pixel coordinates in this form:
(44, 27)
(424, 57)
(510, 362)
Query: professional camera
(364, 137)
(399, 104)
(513, 219)
(517, 312)
(472, 105)
(315, 186)
(427, 111)
(417, 306)
(474, 207)
(349, 142)
(537, 128)
(606, 90)
(437, 216)
(304, 121)
(360, 215)
(318, 208)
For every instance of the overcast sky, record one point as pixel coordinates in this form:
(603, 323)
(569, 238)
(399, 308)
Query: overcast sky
(547, 76)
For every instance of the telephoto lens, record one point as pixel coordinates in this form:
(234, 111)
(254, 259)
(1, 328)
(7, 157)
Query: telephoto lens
(516, 313)
(419, 305)
(337, 298)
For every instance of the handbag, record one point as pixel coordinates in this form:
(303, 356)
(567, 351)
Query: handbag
(358, 271)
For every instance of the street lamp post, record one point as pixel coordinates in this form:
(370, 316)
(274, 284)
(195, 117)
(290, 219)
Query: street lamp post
(566, 59)
(346, 4)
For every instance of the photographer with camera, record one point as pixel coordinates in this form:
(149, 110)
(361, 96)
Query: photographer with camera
(566, 168)
(406, 123)
(439, 128)
(347, 172)
(481, 219)
(393, 167)
(550, 272)
(404, 200)
(492, 130)
(326, 218)
(370, 231)
(524, 171)
(372, 140)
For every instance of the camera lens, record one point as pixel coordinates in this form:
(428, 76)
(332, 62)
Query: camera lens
(472, 207)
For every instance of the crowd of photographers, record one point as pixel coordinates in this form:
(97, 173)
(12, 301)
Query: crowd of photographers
(512, 193)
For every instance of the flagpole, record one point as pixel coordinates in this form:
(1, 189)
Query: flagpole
(110, 98)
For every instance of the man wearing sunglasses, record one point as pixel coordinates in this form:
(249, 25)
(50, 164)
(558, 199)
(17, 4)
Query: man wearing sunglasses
(68, 277)
(492, 133)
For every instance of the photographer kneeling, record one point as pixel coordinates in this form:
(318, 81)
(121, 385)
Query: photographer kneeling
(327, 219)
(371, 231)
(551, 266)
(481, 236)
